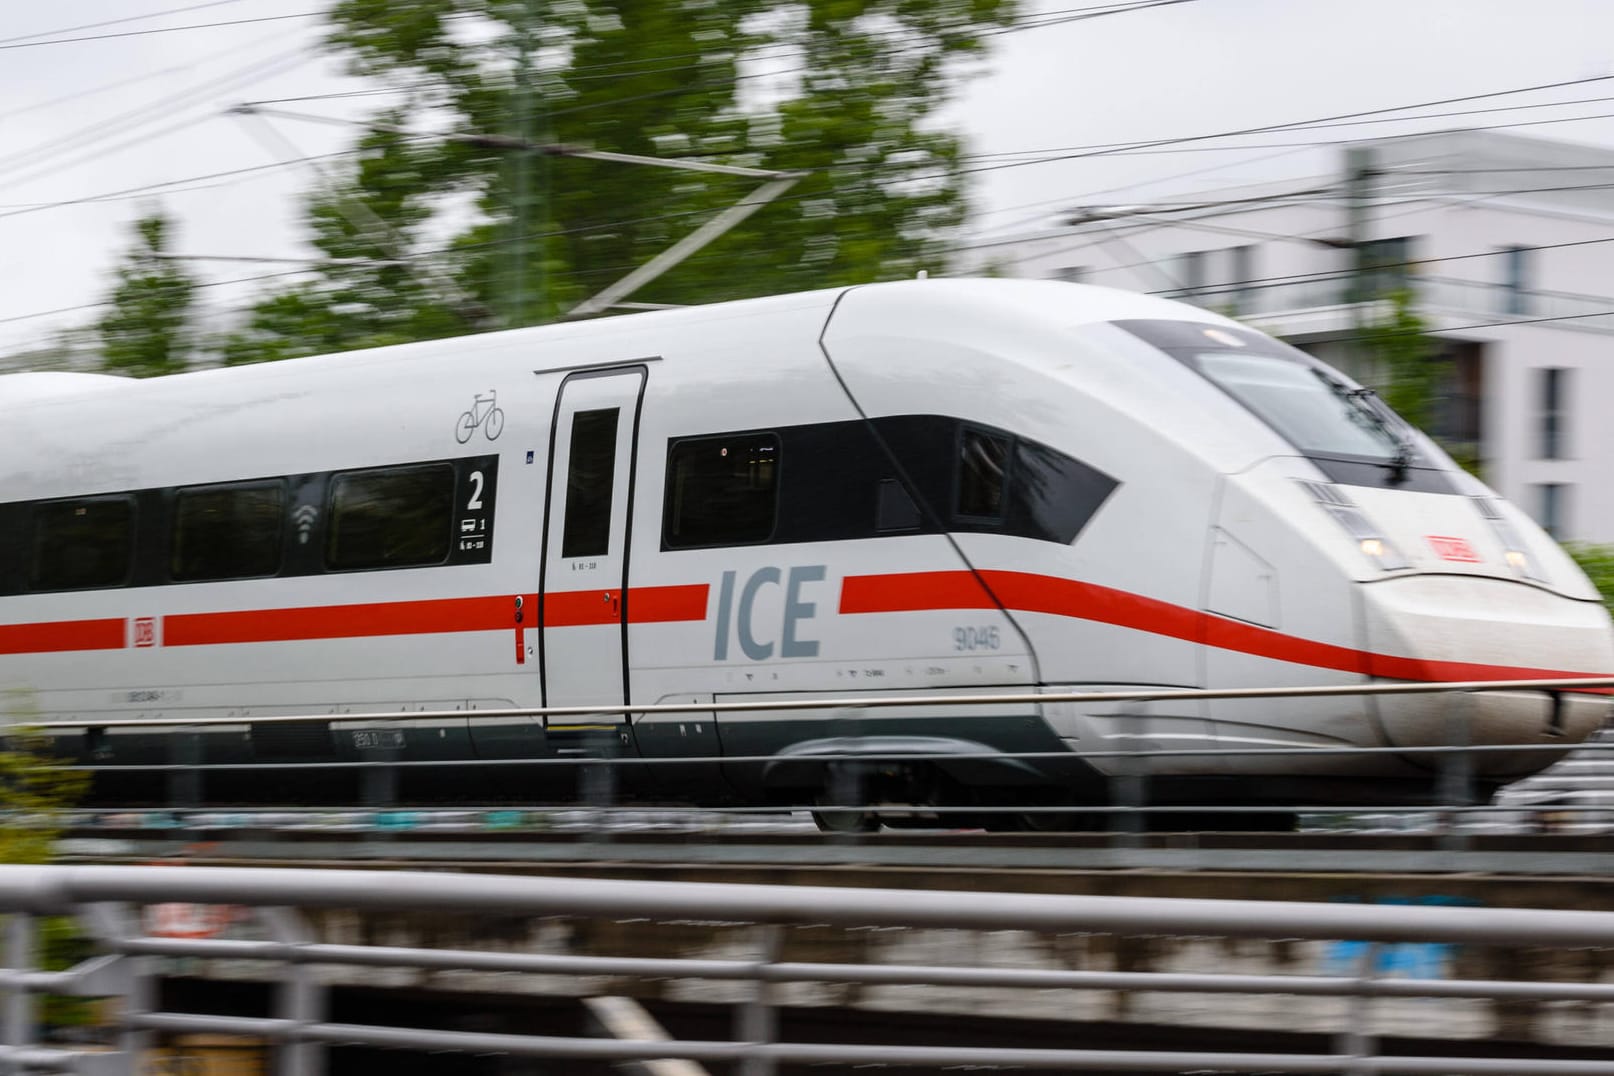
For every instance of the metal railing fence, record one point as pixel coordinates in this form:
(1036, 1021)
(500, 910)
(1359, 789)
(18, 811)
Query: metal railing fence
(128, 965)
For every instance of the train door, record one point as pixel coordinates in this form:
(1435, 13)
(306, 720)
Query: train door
(583, 604)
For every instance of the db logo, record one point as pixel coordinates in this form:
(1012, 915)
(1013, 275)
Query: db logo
(145, 631)
(1456, 549)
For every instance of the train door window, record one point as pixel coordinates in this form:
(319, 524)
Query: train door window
(591, 472)
(398, 517)
(896, 512)
(721, 491)
(227, 532)
(982, 477)
(82, 544)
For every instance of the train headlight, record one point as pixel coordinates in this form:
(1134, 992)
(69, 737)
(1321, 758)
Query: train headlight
(1373, 544)
(1513, 551)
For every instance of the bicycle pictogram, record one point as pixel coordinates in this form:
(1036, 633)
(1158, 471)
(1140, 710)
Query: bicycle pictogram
(486, 413)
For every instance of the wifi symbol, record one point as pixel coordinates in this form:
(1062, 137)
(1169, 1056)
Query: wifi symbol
(304, 518)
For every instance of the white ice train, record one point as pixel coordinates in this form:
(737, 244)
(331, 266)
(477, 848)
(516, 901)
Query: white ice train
(927, 487)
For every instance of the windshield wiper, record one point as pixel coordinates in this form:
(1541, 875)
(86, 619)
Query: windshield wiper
(1364, 402)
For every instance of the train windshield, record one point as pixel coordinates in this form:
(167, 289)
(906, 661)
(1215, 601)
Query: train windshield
(1313, 411)
(1346, 430)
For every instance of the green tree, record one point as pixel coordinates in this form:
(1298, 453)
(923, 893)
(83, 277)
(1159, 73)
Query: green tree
(845, 92)
(1597, 561)
(1404, 355)
(146, 333)
(35, 789)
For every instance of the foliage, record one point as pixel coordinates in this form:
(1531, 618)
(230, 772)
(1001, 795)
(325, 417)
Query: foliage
(33, 787)
(1597, 561)
(1406, 358)
(146, 333)
(33, 792)
(844, 91)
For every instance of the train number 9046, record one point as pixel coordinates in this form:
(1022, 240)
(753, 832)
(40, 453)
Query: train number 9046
(973, 638)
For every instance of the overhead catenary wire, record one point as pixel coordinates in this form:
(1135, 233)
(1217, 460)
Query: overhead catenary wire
(1294, 124)
(160, 30)
(149, 112)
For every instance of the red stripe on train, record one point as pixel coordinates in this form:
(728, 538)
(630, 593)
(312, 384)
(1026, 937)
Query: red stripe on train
(663, 605)
(63, 636)
(342, 621)
(647, 605)
(1025, 592)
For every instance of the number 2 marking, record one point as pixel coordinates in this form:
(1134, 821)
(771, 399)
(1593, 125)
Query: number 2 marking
(476, 495)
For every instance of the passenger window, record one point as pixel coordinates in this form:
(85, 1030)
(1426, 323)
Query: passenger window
(79, 545)
(721, 491)
(983, 458)
(896, 511)
(393, 518)
(227, 532)
(589, 479)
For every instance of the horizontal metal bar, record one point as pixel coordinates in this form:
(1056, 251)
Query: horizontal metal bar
(867, 703)
(59, 888)
(864, 974)
(815, 1054)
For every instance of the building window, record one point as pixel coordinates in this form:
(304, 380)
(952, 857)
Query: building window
(399, 517)
(1552, 499)
(1516, 281)
(722, 491)
(1190, 273)
(1553, 417)
(1240, 271)
(227, 532)
(1382, 268)
(83, 544)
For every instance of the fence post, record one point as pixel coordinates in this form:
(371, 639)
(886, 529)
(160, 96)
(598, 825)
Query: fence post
(110, 925)
(379, 779)
(17, 1017)
(300, 998)
(1456, 772)
(758, 1019)
(1356, 1042)
(1130, 783)
(185, 780)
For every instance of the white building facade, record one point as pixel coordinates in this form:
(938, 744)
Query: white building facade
(1504, 244)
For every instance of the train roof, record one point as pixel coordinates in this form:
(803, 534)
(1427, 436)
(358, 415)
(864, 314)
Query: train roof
(920, 308)
(54, 384)
(1051, 303)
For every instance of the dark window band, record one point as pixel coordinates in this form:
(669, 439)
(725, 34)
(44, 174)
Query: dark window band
(418, 514)
(840, 481)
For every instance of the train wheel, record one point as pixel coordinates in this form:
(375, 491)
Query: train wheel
(844, 821)
(1061, 822)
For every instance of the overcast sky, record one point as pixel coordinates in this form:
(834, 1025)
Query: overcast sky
(85, 119)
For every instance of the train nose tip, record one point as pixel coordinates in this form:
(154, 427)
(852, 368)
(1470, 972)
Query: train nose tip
(1462, 628)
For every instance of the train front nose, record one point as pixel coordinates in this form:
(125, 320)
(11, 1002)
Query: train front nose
(1448, 627)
